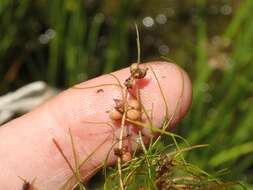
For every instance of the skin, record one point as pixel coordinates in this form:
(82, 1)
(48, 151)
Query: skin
(26, 143)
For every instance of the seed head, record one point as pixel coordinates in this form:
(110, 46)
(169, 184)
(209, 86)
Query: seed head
(126, 156)
(129, 82)
(133, 114)
(138, 71)
(134, 104)
(115, 114)
(141, 72)
(134, 67)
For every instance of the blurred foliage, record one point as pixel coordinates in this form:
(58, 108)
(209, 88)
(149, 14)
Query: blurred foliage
(66, 41)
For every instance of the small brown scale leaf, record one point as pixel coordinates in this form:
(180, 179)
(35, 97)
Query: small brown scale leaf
(123, 153)
(26, 186)
(118, 152)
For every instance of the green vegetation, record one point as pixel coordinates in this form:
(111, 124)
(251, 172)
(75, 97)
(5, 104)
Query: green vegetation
(66, 41)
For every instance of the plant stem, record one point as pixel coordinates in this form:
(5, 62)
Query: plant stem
(121, 139)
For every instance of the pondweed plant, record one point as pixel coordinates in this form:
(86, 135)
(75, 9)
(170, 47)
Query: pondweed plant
(153, 164)
(221, 113)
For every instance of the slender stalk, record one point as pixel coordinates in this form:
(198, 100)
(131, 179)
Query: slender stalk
(138, 44)
(77, 172)
(121, 139)
(63, 155)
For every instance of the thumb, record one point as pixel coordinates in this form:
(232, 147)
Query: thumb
(26, 143)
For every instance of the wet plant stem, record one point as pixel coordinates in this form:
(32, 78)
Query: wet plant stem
(122, 127)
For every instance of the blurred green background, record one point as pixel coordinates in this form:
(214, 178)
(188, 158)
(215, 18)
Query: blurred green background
(66, 41)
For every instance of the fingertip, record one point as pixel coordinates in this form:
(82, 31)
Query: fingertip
(187, 94)
(176, 86)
